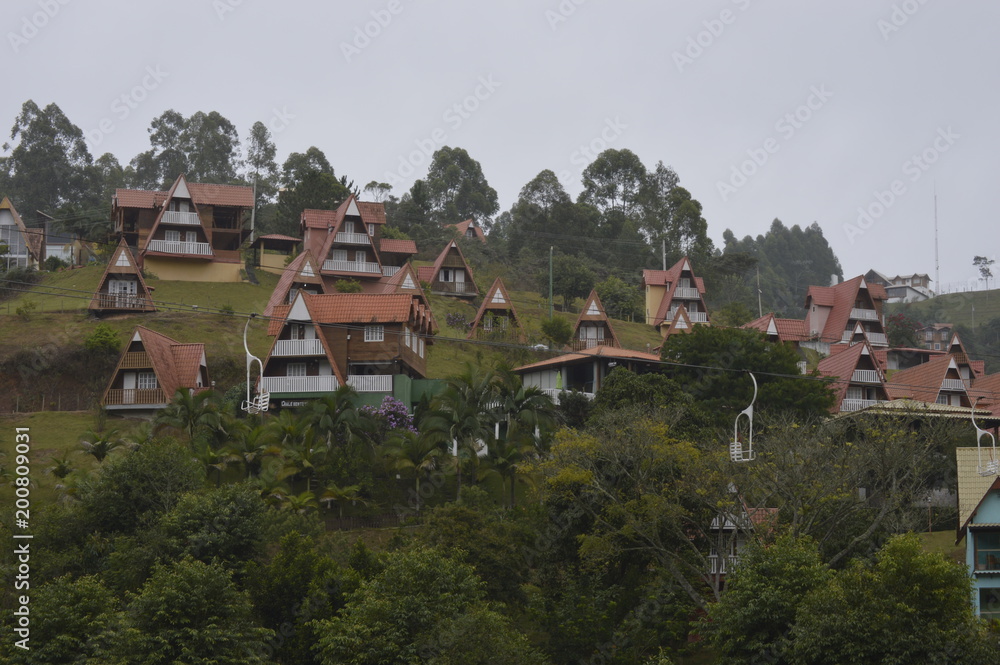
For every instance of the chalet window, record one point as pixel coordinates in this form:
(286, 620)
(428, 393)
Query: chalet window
(408, 337)
(421, 347)
(360, 256)
(348, 227)
(298, 330)
(340, 255)
(173, 236)
(987, 544)
(296, 369)
(446, 275)
(122, 261)
(191, 236)
(147, 381)
(374, 333)
(989, 603)
(929, 336)
(371, 229)
(937, 346)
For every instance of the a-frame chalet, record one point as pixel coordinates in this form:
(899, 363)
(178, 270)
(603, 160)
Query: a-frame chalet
(496, 317)
(593, 328)
(302, 274)
(450, 275)
(122, 288)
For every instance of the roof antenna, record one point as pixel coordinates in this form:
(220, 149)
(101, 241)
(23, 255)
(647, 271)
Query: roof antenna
(736, 452)
(993, 465)
(263, 400)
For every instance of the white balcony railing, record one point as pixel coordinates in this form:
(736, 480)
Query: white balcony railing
(178, 247)
(698, 317)
(352, 238)
(720, 565)
(298, 347)
(454, 287)
(365, 383)
(389, 271)
(851, 404)
(336, 265)
(953, 384)
(554, 393)
(865, 376)
(877, 339)
(299, 384)
(687, 293)
(177, 217)
(859, 314)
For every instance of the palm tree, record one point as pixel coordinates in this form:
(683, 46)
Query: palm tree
(463, 415)
(342, 495)
(413, 454)
(195, 415)
(507, 460)
(250, 448)
(300, 503)
(213, 460)
(61, 466)
(101, 444)
(272, 488)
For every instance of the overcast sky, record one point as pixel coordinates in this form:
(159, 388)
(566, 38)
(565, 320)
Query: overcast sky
(805, 112)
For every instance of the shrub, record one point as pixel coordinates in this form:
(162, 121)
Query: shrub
(456, 320)
(54, 263)
(103, 339)
(347, 286)
(227, 309)
(25, 309)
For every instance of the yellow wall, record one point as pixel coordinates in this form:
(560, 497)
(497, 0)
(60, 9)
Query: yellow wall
(273, 263)
(654, 296)
(192, 271)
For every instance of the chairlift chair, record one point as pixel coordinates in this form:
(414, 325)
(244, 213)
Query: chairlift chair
(736, 452)
(992, 466)
(260, 403)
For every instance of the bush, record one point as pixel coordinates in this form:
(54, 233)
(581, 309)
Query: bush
(54, 263)
(103, 339)
(347, 286)
(558, 330)
(227, 310)
(456, 320)
(25, 309)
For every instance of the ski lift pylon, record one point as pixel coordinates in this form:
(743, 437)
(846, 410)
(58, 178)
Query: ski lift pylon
(991, 467)
(262, 401)
(736, 452)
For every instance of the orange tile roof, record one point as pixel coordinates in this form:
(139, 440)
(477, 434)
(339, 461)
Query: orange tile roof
(289, 276)
(371, 212)
(463, 227)
(670, 278)
(841, 299)
(277, 321)
(318, 219)
(921, 383)
(841, 367)
(601, 351)
(788, 330)
(176, 364)
(278, 236)
(397, 246)
(221, 195)
(139, 198)
(360, 308)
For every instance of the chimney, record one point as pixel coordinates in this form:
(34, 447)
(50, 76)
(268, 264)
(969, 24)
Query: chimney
(833, 280)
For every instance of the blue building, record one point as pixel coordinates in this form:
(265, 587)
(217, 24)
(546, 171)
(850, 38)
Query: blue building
(979, 524)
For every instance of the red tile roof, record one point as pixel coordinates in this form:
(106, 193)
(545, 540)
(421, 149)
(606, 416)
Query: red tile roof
(601, 351)
(139, 198)
(176, 364)
(841, 367)
(278, 236)
(922, 383)
(397, 246)
(221, 195)
(841, 299)
(361, 309)
(318, 219)
(292, 275)
(463, 227)
(788, 330)
(371, 212)
(670, 279)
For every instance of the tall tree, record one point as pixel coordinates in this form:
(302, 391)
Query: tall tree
(205, 147)
(49, 165)
(261, 169)
(458, 190)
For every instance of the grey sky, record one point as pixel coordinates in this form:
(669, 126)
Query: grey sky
(537, 83)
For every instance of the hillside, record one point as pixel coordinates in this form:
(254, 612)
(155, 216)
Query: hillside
(957, 308)
(44, 366)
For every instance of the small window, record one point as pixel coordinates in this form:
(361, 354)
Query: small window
(988, 551)
(147, 381)
(989, 603)
(173, 236)
(374, 333)
(371, 229)
(421, 347)
(408, 336)
(296, 369)
(937, 346)
(360, 256)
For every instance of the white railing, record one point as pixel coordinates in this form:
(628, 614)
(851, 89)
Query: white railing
(698, 317)
(720, 565)
(851, 404)
(865, 376)
(299, 384)
(178, 247)
(686, 292)
(177, 217)
(454, 287)
(555, 392)
(351, 266)
(877, 339)
(298, 347)
(953, 384)
(353, 238)
(389, 271)
(859, 314)
(365, 383)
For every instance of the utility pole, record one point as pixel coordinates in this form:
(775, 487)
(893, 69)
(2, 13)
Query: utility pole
(760, 308)
(253, 210)
(663, 242)
(550, 281)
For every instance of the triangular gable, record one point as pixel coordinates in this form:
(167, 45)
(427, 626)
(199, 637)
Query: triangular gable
(452, 246)
(348, 207)
(841, 367)
(303, 269)
(175, 364)
(300, 311)
(352, 207)
(497, 300)
(180, 185)
(122, 263)
(594, 301)
(681, 322)
(671, 278)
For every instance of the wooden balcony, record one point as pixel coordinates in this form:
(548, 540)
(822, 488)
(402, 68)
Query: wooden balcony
(135, 397)
(121, 301)
(183, 218)
(298, 347)
(299, 384)
(686, 293)
(457, 288)
(336, 265)
(179, 247)
(136, 360)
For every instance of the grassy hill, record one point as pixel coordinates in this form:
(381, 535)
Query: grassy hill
(956, 308)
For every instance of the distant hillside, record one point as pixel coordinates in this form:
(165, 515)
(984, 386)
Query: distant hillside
(975, 315)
